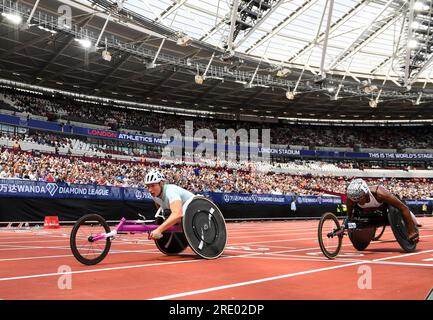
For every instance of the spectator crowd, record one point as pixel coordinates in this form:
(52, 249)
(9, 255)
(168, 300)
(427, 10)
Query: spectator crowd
(76, 170)
(201, 176)
(118, 117)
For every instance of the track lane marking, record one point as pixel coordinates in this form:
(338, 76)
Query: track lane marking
(267, 279)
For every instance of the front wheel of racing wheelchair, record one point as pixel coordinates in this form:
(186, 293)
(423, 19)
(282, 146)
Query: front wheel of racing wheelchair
(362, 230)
(84, 249)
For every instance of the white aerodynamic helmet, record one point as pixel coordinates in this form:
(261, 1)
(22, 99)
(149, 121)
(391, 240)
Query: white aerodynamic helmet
(357, 189)
(153, 176)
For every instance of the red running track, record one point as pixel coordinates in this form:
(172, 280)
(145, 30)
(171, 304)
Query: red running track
(262, 260)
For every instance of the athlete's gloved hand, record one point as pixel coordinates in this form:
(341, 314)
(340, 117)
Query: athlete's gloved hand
(345, 223)
(155, 235)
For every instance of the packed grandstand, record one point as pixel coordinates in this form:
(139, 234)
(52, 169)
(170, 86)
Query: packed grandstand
(49, 156)
(60, 107)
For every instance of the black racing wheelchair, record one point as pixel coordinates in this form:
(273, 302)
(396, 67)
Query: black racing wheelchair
(362, 228)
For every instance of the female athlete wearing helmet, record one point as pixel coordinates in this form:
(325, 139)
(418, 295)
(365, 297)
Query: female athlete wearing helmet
(167, 197)
(375, 197)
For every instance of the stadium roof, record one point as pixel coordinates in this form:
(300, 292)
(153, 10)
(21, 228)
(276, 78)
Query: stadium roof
(341, 59)
(288, 31)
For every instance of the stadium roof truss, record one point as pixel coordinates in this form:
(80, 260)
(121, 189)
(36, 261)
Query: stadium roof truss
(344, 59)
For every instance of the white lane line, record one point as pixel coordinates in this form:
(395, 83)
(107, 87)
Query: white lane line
(175, 262)
(15, 247)
(230, 245)
(305, 258)
(403, 256)
(118, 268)
(246, 283)
(273, 235)
(315, 248)
(283, 276)
(70, 255)
(149, 265)
(397, 263)
(271, 241)
(292, 227)
(33, 241)
(98, 270)
(315, 238)
(263, 230)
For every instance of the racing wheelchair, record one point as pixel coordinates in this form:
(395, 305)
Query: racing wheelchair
(362, 228)
(203, 229)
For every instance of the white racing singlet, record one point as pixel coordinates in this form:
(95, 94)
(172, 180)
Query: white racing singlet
(372, 205)
(171, 193)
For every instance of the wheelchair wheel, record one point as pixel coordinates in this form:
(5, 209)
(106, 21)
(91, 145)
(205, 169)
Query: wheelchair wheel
(361, 238)
(399, 229)
(205, 228)
(171, 242)
(378, 233)
(330, 244)
(83, 249)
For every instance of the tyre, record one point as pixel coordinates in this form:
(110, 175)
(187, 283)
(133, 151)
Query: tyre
(85, 250)
(361, 238)
(330, 244)
(172, 242)
(399, 229)
(204, 228)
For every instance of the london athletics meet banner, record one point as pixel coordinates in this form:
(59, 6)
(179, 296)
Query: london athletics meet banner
(157, 140)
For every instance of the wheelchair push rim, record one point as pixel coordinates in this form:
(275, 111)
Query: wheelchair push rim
(399, 229)
(330, 235)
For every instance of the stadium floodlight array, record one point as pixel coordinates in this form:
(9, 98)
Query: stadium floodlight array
(290, 95)
(47, 29)
(184, 41)
(85, 43)
(86, 37)
(416, 54)
(14, 18)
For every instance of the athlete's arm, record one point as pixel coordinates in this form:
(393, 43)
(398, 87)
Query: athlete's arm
(349, 205)
(383, 195)
(174, 217)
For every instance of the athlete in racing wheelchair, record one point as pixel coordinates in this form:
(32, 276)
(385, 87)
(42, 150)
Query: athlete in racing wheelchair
(183, 219)
(368, 209)
(368, 199)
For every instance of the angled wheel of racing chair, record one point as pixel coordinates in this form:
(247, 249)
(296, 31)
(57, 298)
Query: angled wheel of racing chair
(366, 226)
(398, 226)
(172, 242)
